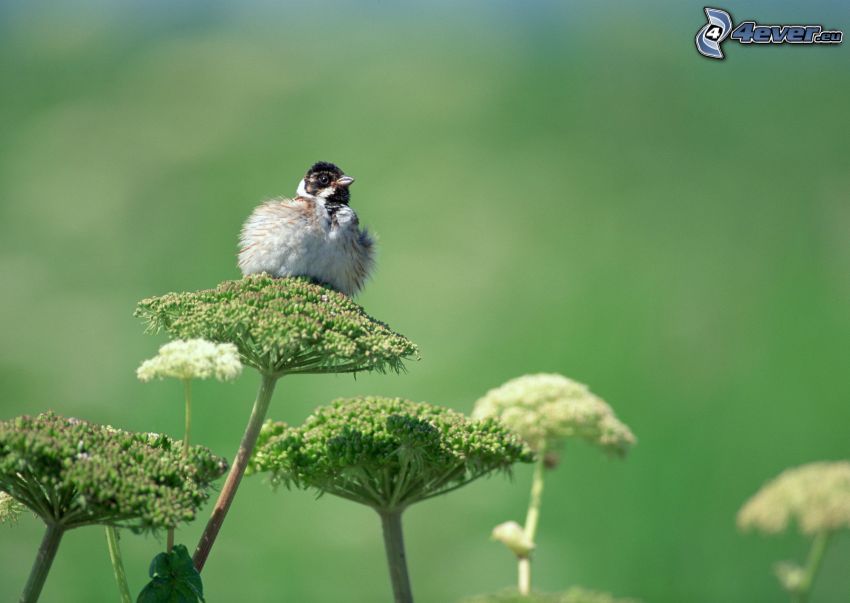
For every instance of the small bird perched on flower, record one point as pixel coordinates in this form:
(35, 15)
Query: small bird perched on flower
(316, 234)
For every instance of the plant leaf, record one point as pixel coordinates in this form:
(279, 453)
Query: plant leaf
(174, 579)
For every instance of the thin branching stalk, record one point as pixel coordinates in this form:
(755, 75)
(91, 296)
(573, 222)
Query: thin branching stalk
(240, 462)
(118, 564)
(187, 428)
(187, 394)
(531, 520)
(813, 564)
(546, 410)
(396, 558)
(43, 561)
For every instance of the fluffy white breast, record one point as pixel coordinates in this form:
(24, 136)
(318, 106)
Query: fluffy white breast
(280, 236)
(299, 237)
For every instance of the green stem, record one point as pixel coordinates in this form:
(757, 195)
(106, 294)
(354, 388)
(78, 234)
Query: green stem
(187, 429)
(187, 394)
(43, 561)
(533, 515)
(240, 462)
(118, 564)
(531, 520)
(813, 564)
(396, 559)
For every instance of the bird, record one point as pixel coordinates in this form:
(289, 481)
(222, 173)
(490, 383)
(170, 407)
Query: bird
(315, 234)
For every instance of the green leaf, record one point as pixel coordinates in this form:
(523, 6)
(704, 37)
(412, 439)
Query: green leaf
(174, 579)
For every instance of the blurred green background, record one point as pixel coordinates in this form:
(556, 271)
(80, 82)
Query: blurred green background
(555, 188)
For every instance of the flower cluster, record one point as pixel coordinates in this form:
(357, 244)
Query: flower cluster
(547, 409)
(10, 509)
(74, 473)
(575, 594)
(816, 496)
(193, 359)
(282, 325)
(387, 453)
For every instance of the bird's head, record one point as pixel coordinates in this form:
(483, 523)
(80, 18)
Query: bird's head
(326, 181)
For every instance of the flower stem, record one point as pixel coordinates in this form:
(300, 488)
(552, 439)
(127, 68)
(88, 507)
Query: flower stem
(240, 462)
(813, 564)
(531, 520)
(187, 429)
(396, 559)
(524, 575)
(187, 394)
(43, 561)
(118, 564)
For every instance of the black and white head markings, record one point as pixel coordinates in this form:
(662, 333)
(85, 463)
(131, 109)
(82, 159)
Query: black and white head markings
(326, 181)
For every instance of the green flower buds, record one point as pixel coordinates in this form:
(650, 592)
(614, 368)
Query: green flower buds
(73, 473)
(386, 453)
(282, 326)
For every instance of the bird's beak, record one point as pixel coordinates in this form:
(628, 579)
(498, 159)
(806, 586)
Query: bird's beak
(344, 181)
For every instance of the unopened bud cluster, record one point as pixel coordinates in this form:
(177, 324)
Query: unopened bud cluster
(387, 453)
(73, 473)
(281, 326)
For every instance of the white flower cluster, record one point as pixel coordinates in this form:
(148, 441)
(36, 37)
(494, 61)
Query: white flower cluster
(192, 359)
(816, 496)
(9, 508)
(546, 409)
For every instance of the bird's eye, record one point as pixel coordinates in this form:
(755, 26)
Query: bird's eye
(324, 179)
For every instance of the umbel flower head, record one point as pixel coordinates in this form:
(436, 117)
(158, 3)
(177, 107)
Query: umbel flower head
(10, 509)
(282, 326)
(387, 453)
(73, 473)
(546, 409)
(192, 359)
(815, 496)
